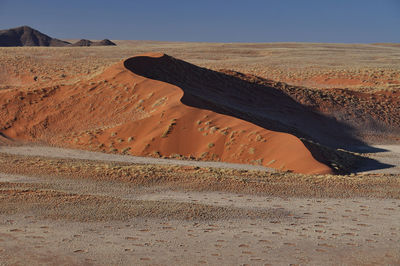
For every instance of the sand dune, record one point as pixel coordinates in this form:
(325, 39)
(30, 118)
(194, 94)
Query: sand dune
(121, 111)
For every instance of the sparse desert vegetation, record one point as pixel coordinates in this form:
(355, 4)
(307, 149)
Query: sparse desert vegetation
(84, 201)
(339, 65)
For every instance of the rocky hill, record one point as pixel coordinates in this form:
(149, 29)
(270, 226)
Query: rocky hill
(27, 36)
(84, 42)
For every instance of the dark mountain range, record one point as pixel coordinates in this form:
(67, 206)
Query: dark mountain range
(27, 36)
(85, 42)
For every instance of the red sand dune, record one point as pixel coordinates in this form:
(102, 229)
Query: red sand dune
(122, 111)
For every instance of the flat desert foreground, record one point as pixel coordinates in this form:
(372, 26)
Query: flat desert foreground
(67, 211)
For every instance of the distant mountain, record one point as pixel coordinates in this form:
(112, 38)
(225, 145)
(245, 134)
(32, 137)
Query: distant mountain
(105, 42)
(85, 42)
(26, 36)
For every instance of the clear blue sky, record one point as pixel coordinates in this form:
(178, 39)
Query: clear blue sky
(349, 21)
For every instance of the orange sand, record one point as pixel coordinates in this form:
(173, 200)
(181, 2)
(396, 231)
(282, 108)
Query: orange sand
(120, 111)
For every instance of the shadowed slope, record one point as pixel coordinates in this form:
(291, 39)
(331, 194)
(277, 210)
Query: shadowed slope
(278, 150)
(263, 105)
(371, 116)
(269, 107)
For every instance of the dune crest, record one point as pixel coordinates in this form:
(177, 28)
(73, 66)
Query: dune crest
(190, 131)
(121, 111)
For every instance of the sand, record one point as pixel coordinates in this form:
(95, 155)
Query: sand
(42, 84)
(63, 153)
(284, 231)
(72, 210)
(147, 117)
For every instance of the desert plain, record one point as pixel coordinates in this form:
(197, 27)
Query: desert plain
(160, 153)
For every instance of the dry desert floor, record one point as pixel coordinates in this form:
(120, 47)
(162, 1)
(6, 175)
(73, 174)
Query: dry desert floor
(67, 211)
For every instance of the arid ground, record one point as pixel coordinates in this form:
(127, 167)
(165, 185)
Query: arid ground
(68, 211)
(258, 154)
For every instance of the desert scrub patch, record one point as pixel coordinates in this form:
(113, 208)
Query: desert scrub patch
(176, 156)
(146, 146)
(252, 133)
(270, 162)
(259, 138)
(125, 150)
(203, 155)
(159, 102)
(150, 95)
(228, 143)
(113, 134)
(258, 161)
(210, 145)
(232, 135)
(169, 128)
(213, 129)
(252, 150)
(157, 154)
(214, 157)
(130, 139)
(225, 131)
(198, 122)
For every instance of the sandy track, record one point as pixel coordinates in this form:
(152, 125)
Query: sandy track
(63, 153)
(389, 155)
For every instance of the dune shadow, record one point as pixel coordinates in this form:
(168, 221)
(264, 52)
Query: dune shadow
(368, 164)
(262, 105)
(368, 149)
